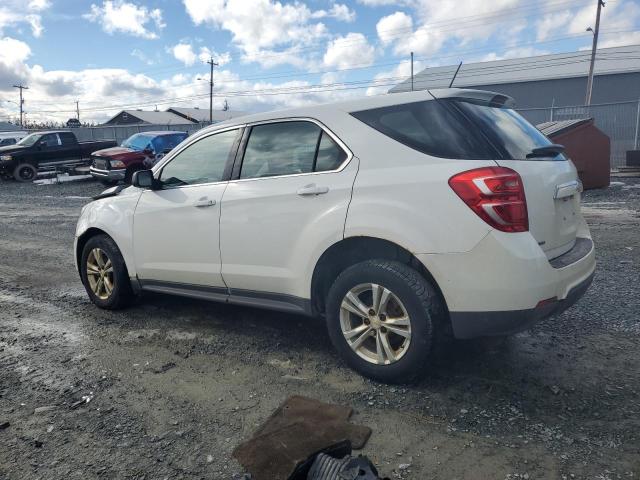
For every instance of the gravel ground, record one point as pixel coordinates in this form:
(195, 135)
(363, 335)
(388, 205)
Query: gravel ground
(174, 384)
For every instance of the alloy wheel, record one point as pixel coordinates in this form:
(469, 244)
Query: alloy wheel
(100, 273)
(375, 324)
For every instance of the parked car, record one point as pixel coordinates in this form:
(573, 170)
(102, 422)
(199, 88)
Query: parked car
(137, 152)
(45, 149)
(397, 218)
(11, 138)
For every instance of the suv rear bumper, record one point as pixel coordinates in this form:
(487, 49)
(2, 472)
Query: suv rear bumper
(506, 283)
(484, 324)
(111, 175)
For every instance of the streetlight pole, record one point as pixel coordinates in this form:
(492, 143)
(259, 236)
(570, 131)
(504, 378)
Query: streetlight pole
(594, 47)
(212, 64)
(21, 87)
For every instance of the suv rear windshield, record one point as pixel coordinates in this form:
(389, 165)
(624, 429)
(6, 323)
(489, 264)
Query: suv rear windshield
(457, 129)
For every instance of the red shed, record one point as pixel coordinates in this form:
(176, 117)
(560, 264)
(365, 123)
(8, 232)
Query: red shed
(586, 145)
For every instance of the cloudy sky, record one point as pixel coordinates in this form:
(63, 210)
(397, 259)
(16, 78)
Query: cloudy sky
(114, 54)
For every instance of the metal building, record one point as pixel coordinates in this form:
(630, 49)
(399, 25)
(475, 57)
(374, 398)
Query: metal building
(545, 81)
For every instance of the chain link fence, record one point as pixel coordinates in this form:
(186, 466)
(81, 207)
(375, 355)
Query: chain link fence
(620, 121)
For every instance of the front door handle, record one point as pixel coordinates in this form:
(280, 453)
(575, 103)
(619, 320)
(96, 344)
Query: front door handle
(312, 189)
(204, 202)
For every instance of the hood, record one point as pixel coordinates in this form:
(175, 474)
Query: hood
(118, 153)
(11, 149)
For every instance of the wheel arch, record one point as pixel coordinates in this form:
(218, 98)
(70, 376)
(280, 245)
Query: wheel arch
(84, 238)
(352, 250)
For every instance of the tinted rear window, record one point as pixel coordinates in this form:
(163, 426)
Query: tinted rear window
(429, 127)
(512, 135)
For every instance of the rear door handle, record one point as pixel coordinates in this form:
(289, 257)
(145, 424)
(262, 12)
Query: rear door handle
(312, 189)
(204, 202)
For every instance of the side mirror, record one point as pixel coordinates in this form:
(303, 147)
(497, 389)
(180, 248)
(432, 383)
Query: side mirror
(144, 179)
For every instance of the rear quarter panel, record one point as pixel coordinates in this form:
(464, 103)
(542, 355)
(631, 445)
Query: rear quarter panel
(403, 196)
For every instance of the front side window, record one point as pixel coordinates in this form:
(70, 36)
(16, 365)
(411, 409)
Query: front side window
(428, 127)
(30, 139)
(50, 140)
(289, 148)
(201, 162)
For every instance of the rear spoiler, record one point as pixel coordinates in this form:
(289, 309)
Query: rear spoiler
(492, 99)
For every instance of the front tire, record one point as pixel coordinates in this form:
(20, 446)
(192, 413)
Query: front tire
(104, 273)
(25, 172)
(382, 316)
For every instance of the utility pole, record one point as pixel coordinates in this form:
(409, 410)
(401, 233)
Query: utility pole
(212, 64)
(78, 109)
(593, 53)
(21, 87)
(412, 71)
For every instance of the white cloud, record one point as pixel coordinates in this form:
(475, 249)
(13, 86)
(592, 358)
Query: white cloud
(385, 80)
(339, 11)
(390, 26)
(268, 31)
(16, 12)
(140, 55)
(184, 52)
(397, 30)
(352, 49)
(126, 17)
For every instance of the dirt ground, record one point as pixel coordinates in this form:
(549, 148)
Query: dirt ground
(175, 384)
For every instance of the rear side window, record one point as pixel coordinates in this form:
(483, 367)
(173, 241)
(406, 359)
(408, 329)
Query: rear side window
(289, 148)
(330, 156)
(512, 135)
(428, 127)
(67, 138)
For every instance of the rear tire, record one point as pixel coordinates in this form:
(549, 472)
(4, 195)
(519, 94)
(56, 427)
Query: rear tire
(104, 273)
(402, 325)
(25, 172)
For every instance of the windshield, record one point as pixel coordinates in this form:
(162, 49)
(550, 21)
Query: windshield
(138, 142)
(165, 143)
(30, 139)
(512, 135)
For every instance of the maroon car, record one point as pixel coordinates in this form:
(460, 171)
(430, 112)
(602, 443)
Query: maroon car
(138, 152)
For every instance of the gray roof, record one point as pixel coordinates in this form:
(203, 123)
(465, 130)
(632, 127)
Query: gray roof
(544, 67)
(158, 118)
(561, 126)
(202, 114)
(9, 127)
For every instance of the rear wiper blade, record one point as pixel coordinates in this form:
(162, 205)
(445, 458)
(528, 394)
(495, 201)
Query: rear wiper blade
(550, 150)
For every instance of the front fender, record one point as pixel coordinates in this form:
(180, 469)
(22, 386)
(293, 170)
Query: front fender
(113, 216)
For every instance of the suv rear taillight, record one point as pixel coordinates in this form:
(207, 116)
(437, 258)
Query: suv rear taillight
(496, 195)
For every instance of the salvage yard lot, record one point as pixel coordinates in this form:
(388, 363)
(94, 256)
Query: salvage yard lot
(174, 385)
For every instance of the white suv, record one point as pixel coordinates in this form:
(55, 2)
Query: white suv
(396, 218)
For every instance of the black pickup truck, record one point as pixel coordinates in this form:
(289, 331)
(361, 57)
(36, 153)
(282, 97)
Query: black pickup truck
(46, 149)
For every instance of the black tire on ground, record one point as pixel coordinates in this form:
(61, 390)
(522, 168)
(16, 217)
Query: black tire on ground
(421, 301)
(121, 294)
(25, 172)
(108, 183)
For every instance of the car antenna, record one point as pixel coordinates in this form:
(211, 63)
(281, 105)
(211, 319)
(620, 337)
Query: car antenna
(455, 75)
